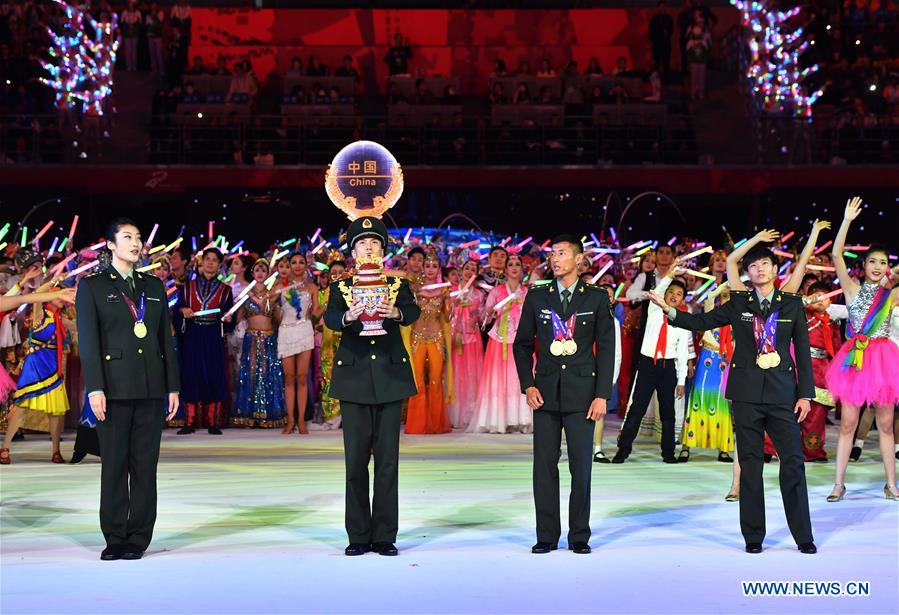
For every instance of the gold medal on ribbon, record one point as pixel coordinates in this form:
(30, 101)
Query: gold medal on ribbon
(140, 329)
(569, 347)
(557, 348)
(768, 360)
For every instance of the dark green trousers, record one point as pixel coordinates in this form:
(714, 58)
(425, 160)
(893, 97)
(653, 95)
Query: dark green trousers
(548, 426)
(371, 430)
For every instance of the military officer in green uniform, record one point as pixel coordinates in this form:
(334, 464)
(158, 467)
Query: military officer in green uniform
(372, 376)
(770, 385)
(131, 375)
(569, 388)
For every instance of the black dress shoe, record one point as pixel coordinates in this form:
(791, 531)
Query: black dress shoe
(544, 547)
(78, 457)
(619, 458)
(808, 548)
(855, 453)
(185, 430)
(385, 548)
(753, 547)
(670, 459)
(600, 457)
(581, 548)
(357, 548)
(725, 458)
(111, 552)
(214, 431)
(132, 552)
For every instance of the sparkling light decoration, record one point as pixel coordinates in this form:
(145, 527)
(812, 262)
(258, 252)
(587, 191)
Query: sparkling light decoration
(82, 59)
(775, 45)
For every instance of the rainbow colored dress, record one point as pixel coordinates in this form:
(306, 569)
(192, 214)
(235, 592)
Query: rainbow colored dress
(708, 422)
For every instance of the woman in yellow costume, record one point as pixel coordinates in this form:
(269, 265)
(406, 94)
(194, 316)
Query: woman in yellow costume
(430, 354)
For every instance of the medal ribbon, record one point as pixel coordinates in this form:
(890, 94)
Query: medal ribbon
(765, 331)
(563, 330)
(137, 311)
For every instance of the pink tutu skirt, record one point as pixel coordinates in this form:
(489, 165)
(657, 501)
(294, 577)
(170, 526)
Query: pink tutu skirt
(876, 383)
(7, 385)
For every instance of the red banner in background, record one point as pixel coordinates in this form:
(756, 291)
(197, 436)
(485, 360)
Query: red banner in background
(460, 43)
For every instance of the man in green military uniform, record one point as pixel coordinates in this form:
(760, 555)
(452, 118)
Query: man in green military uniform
(568, 389)
(131, 375)
(372, 376)
(770, 385)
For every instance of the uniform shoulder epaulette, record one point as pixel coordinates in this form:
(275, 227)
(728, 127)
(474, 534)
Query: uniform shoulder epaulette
(93, 275)
(791, 295)
(743, 293)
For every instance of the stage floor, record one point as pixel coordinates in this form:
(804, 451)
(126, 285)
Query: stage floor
(252, 522)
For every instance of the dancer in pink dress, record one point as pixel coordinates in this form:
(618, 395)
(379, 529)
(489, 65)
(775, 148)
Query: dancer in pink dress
(466, 346)
(502, 407)
(863, 372)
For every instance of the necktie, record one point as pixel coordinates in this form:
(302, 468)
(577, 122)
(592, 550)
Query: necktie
(766, 305)
(662, 343)
(565, 296)
(130, 280)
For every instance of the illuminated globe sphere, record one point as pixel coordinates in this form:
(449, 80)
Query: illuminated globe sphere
(364, 179)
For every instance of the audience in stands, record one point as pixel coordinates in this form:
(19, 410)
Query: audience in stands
(130, 22)
(197, 67)
(398, 56)
(347, 70)
(686, 19)
(181, 19)
(314, 68)
(661, 31)
(593, 67)
(243, 84)
(221, 67)
(546, 69)
(699, 52)
(856, 46)
(154, 23)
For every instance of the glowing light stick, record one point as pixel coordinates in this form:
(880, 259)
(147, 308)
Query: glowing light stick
(696, 253)
(824, 247)
(700, 274)
(234, 307)
(600, 273)
(149, 239)
(208, 312)
(82, 268)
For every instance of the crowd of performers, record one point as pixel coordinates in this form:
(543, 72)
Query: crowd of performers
(254, 352)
